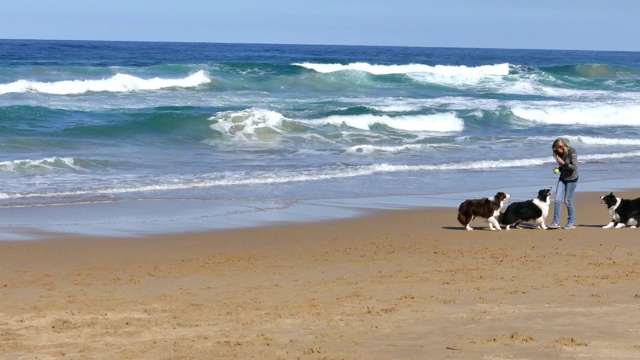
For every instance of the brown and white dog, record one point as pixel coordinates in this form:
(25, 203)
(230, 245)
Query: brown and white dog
(488, 208)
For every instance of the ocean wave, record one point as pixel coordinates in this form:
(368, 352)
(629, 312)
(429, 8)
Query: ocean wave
(248, 124)
(264, 124)
(54, 163)
(117, 83)
(442, 122)
(448, 75)
(418, 147)
(590, 140)
(174, 182)
(448, 70)
(501, 78)
(594, 71)
(581, 114)
(483, 165)
(369, 149)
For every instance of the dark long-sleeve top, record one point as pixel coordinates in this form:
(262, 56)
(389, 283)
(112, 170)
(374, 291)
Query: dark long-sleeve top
(569, 170)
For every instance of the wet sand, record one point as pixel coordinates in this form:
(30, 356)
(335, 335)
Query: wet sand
(404, 284)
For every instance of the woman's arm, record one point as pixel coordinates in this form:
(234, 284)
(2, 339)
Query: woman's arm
(572, 160)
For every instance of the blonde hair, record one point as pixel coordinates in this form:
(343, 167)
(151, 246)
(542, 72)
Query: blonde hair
(559, 143)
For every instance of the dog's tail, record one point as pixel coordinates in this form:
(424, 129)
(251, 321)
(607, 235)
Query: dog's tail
(507, 218)
(462, 217)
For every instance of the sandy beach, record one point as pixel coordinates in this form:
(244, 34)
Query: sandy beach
(393, 285)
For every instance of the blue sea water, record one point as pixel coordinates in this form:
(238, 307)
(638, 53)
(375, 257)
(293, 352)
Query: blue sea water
(85, 122)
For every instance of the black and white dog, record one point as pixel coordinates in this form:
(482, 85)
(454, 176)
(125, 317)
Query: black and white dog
(520, 212)
(488, 208)
(624, 212)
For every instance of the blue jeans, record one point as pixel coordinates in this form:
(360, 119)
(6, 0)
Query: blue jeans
(564, 193)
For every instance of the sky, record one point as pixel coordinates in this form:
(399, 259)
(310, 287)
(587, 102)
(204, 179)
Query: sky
(508, 24)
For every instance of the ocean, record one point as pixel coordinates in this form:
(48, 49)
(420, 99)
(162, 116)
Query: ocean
(192, 136)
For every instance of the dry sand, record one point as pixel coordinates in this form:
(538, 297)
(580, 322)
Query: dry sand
(394, 285)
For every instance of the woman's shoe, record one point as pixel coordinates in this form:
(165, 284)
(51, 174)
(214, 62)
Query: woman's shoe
(554, 226)
(568, 226)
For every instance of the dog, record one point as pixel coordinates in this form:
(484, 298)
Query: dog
(488, 208)
(624, 212)
(519, 212)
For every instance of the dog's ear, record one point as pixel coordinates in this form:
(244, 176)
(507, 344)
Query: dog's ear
(611, 193)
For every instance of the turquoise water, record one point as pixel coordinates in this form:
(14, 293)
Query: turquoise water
(115, 122)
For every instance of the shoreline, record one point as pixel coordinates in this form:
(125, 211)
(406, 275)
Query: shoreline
(156, 217)
(393, 284)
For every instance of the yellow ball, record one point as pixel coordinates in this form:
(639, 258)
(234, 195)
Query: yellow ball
(556, 171)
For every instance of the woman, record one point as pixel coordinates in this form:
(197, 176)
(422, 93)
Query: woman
(567, 160)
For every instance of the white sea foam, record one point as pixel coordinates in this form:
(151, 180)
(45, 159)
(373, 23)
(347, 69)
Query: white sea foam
(248, 124)
(589, 140)
(488, 76)
(400, 106)
(368, 149)
(268, 125)
(49, 163)
(116, 83)
(443, 70)
(446, 102)
(581, 114)
(450, 75)
(442, 122)
(495, 78)
(618, 155)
